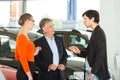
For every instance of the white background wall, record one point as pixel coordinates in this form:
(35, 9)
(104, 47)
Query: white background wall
(110, 22)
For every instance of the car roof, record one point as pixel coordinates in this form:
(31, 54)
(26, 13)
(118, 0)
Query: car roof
(13, 32)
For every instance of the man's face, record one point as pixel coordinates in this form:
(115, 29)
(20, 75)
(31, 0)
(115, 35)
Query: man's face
(87, 22)
(49, 28)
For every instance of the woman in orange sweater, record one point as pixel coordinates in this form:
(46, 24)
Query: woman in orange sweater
(25, 49)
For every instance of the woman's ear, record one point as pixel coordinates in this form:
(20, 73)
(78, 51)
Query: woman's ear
(27, 21)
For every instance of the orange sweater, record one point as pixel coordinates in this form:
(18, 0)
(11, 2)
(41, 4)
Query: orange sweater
(24, 51)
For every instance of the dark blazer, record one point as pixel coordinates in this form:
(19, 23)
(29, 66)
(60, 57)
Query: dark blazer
(96, 53)
(45, 57)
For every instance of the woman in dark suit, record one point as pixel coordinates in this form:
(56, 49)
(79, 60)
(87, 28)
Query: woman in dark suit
(96, 53)
(52, 58)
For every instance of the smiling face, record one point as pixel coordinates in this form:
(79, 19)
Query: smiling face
(48, 29)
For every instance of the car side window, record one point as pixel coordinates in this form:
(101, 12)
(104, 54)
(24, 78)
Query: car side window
(12, 44)
(5, 47)
(77, 40)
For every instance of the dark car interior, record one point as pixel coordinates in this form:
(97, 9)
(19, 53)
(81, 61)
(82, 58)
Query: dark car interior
(5, 49)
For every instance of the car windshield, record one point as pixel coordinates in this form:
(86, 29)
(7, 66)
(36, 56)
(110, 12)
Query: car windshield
(76, 40)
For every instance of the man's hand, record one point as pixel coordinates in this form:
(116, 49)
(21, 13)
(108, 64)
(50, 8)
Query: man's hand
(90, 76)
(52, 67)
(61, 67)
(74, 49)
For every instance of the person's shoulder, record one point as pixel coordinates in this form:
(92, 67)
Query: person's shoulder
(99, 30)
(58, 37)
(39, 39)
(21, 37)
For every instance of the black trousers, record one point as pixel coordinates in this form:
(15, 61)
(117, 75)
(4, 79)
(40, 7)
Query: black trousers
(51, 75)
(21, 75)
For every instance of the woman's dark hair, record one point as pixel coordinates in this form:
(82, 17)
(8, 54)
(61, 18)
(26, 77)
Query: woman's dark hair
(92, 13)
(23, 18)
(43, 22)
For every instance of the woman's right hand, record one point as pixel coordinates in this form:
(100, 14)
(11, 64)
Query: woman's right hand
(37, 49)
(29, 75)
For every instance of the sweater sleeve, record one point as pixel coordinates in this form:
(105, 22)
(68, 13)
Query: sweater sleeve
(22, 52)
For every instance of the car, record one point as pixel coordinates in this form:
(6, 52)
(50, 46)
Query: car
(7, 73)
(74, 66)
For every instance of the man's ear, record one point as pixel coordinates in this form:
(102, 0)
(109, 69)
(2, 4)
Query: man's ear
(93, 19)
(43, 29)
